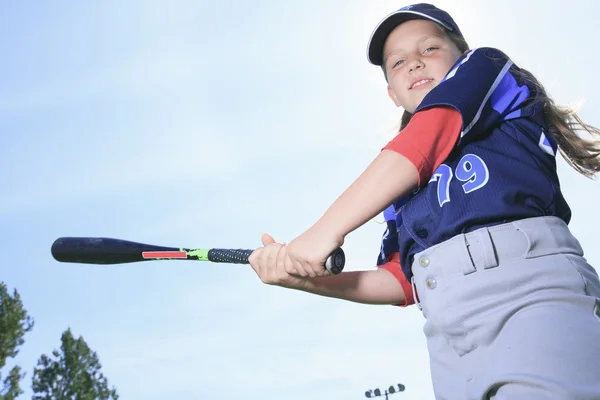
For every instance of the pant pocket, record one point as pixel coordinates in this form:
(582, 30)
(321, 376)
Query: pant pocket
(589, 280)
(451, 316)
(588, 276)
(597, 310)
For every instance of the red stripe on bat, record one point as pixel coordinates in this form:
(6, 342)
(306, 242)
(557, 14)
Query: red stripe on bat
(164, 254)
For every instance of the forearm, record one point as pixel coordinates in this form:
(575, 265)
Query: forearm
(367, 287)
(387, 178)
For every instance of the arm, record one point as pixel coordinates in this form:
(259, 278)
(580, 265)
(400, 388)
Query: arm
(366, 287)
(403, 164)
(388, 177)
(386, 285)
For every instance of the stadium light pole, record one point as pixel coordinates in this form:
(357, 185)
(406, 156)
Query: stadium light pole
(391, 390)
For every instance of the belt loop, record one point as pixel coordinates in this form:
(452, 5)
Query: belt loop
(463, 255)
(481, 248)
(415, 294)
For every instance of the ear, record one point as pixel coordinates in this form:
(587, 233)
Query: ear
(393, 96)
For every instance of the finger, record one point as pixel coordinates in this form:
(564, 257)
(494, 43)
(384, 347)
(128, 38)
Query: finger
(281, 260)
(264, 264)
(271, 256)
(269, 271)
(282, 274)
(267, 239)
(254, 258)
(290, 267)
(301, 271)
(310, 271)
(255, 255)
(320, 269)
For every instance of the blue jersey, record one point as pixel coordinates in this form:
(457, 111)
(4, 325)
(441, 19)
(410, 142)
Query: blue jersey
(503, 167)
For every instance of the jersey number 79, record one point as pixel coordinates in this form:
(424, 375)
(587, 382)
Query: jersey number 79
(471, 170)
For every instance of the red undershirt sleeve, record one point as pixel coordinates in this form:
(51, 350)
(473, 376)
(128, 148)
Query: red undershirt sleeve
(393, 266)
(428, 139)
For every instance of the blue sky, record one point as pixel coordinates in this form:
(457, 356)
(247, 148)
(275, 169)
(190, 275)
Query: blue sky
(205, 124)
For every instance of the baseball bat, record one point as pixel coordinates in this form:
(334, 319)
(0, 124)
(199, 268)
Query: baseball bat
(99, 250)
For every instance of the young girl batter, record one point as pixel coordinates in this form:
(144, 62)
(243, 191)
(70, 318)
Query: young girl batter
(477, 232)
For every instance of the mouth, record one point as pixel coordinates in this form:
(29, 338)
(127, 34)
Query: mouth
(419, 83)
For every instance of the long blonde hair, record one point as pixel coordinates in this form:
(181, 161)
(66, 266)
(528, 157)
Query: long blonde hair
(564, 123)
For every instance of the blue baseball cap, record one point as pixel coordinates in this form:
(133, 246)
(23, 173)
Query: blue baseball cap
(390, 22)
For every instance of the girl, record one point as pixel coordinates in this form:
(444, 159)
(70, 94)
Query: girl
(477, 232)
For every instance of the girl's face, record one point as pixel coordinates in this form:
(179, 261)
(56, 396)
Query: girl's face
(417, 55)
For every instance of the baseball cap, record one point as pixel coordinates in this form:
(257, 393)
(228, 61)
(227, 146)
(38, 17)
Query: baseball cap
(407, 13)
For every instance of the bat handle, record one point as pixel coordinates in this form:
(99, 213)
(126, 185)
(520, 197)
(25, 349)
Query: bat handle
(334, 263)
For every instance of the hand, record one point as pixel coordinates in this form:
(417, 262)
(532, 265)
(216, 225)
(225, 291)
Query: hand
(308, 252)
(269, 264)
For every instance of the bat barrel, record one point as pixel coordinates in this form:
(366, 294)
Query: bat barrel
(92, 250)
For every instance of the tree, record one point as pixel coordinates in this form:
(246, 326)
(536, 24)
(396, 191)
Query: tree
(73, 374)
(14, 324)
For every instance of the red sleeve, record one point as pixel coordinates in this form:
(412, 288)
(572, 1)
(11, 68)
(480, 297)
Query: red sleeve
(428, 139)
(393, 266)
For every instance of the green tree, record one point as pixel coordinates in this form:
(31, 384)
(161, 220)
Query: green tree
(73, 373)
(14, 324)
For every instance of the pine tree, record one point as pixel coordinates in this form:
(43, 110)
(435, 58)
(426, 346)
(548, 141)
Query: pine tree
(14, 324)
(73, 373)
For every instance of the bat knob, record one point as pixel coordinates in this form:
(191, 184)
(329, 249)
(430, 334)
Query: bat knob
(336, 261)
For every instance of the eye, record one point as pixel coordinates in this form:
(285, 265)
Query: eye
(397, 63)
(430, 49)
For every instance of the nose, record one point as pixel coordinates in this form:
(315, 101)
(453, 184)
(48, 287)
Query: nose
(415, 64)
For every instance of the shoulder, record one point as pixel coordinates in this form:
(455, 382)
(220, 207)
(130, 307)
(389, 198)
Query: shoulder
(481, 59)
(491, 53)
(476, 71)
(484, 86)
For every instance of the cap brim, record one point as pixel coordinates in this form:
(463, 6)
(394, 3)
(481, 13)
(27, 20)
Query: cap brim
(386, 26)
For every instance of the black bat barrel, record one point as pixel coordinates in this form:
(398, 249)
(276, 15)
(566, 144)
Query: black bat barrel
(101, 250)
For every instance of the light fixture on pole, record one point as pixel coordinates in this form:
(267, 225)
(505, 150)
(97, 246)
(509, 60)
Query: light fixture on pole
(391, 390)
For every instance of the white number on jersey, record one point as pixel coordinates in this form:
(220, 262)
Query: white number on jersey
(471, 170)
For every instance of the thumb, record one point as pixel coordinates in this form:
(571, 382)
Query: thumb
(267, 239)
